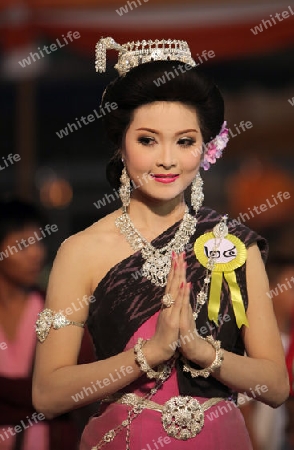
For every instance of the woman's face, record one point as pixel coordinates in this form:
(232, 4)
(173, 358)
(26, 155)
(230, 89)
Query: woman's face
(21, 262)
(162, 149)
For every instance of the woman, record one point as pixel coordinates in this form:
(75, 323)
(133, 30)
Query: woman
(22, 254)
(149, 266)
(20, 302)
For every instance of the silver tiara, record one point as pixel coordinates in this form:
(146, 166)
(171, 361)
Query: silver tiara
(132, 54)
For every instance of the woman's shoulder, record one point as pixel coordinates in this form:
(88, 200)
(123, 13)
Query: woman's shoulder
(90, 252)
(103, 232)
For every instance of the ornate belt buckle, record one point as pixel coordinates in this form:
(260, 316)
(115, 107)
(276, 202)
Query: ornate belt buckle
(182, 417)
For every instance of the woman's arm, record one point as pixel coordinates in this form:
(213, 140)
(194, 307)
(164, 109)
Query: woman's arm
(262, 373)
(59, 384)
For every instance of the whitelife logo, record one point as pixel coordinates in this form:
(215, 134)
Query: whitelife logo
(3, 345)
(270, 22)
(276, 200)
(91, 117)
(12, 431)
(9, 160)
(11, 250)
(119, 373)
(124, 9)
(182, 68)
(281, 287)
(53, 47)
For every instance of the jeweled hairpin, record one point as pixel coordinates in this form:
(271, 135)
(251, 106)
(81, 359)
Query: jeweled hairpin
(133, 54)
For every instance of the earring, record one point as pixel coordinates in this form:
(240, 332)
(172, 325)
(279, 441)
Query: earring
(125, 188)
(197, 195)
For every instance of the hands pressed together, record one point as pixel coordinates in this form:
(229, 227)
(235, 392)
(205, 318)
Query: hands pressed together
(176, 322)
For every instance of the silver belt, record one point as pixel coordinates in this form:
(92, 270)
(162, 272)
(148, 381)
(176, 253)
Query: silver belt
(182, 417)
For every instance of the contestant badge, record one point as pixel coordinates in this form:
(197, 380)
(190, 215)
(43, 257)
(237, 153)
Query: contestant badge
(231, 253)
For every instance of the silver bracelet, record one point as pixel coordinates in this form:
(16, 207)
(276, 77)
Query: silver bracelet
(143, 364)
(219, 357)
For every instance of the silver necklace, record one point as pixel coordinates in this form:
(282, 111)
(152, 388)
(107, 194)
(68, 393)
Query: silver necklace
(157, 260)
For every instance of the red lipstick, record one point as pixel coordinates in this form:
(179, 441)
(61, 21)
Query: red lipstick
(165, 177)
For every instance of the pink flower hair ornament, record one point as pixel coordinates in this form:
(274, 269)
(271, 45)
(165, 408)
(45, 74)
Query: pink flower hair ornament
(213, 150)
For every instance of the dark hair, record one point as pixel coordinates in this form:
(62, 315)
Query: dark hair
(138, 87)
(16, 214)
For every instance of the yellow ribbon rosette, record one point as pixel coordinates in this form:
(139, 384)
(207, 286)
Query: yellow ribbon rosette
(230, 255)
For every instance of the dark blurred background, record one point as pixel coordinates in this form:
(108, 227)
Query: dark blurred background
(254, 69)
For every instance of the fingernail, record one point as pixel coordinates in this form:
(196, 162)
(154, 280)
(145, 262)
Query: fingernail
(173, 254)
(175, 265)
(181, 285)
(184, 255)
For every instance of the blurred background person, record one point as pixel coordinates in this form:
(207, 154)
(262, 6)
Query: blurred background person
(21, 300)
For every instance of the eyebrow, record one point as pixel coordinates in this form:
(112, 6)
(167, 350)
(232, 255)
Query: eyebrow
(157, 132)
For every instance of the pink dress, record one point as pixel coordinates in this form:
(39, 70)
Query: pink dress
(224, 427)
(16, 362)
(126, 308)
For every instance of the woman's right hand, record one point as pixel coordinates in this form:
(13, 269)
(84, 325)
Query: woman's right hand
(163, 343)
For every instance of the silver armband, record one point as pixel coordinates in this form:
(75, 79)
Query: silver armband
(47, 319)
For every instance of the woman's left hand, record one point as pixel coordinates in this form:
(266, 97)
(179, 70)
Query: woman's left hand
(188, 336)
